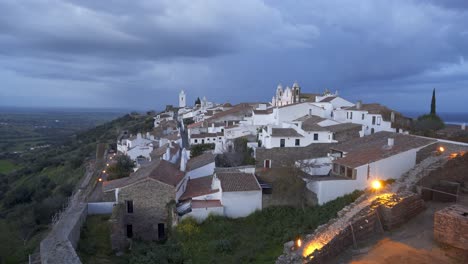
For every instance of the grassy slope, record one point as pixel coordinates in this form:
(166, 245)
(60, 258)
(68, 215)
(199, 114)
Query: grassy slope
(7, 166)
(62, 166)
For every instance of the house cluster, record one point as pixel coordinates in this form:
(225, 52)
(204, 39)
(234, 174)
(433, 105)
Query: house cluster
(339, 145)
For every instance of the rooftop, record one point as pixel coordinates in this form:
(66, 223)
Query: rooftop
(238, 181)
(343, 127)
(368, 149)
(197, 187)
(206, 203)
(201, 160)
(284, 132)
(327, 99)
(159, 170)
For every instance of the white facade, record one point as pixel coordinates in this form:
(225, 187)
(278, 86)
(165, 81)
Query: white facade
(200, 214)
(392, 167)
(182, 99)
(302, 139)
(241, 204)
(206, 170)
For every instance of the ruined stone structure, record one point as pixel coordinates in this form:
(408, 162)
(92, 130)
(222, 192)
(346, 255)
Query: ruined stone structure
(449, 224)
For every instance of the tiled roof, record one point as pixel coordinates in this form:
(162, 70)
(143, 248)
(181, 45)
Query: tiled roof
(159, 170)
(205, 135)
(206, 203)
(197, 124)
(200, 161)
(284, 132)
(238, 181)
(263, 112)
(368, 149)
(327, 99)
(311, 124)
(236, 109)
(343, 127)
(159, 152)
(197, 187)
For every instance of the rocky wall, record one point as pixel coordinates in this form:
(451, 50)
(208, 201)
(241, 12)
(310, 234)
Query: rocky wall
(395, 211)
(449, 224)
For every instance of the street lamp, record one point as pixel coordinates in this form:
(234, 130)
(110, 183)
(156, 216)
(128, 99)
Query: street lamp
(376, 185)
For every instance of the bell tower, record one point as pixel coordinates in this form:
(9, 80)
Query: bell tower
(182, 99)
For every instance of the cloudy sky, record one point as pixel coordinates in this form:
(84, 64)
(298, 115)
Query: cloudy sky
(140, 54)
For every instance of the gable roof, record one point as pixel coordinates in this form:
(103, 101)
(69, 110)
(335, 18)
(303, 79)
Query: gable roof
(327, 99)
(197, 187)
(238, 181)
(200, 161)
(310, 123)
(343, 127)
(236, 109)
(284, 132)
(368, 149)
(159, 170)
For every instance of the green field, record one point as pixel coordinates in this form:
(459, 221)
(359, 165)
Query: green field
(7, 166)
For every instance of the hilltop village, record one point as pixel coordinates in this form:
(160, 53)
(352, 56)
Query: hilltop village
(300, 150)
(194, 160)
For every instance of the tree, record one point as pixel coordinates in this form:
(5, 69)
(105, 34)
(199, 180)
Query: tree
(122, 168)
(198, 101)
(433, 103)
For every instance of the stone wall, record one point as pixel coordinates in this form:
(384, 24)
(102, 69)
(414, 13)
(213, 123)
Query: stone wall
(59, 246)
(425, 152)
(286, 157)
(385, 212)
(119, 241)
(150, 199)
(363, 226)
(395, 211)
(450, 226)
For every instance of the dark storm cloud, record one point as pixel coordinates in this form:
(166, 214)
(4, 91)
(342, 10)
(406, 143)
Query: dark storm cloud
(129, 53)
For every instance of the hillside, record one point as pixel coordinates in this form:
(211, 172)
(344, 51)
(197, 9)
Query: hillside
(35, 184)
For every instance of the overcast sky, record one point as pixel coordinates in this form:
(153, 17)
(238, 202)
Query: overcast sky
(140, 54)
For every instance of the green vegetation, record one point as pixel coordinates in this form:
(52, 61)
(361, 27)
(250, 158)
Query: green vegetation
(427, 124)
(7, 166)
(44, 178)
(241, 155)
(199, 149)
(122, 168)
(258, 238)
(94, 245)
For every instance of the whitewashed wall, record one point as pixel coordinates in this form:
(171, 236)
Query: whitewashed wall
(200, 214)
(241, 204)
(202, 171)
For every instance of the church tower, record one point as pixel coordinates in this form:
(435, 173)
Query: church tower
(296, 92)
(182, 99)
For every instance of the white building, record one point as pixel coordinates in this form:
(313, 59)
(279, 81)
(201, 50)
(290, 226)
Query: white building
(232, 194)
(356, 163)
(200, 166)
(136, 146)
(206, 138)
(182, 99)
(373, 117)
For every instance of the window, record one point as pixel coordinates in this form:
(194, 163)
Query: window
(333, 136)
(347, 115)
(129, 231)
(351, 115)
(362, 117)
(267, 163)
(129, 206)
(298, 142)
(282, 142)
(196, 141)
(373, 120)
(161, 231)
(349, 172)
(379, 119)
(315, 136)
(372, 131)
(342, 170)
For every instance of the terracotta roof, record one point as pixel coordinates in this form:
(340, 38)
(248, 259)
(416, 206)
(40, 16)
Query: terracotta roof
(263, 112)
(343, 127)
(197, 124)
(327, 99)
(206, 203)
(284, 132)
(238, 181)
(368, 149)
(197, 187)
(310, 123)
(175, 148)
(237, 108)
(159, 170)
(159, 152)
(172, 137)
(205, 135)
(201, 160)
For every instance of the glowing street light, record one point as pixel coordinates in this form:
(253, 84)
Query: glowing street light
(104, 171)
(298, 243)
(376, 185)
(441, 149)
(100, 179)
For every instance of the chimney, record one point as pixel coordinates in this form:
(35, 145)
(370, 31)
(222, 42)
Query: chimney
(391, 142)
(463, 126)
(359, 104)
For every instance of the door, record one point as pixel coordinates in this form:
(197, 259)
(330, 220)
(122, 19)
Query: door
(161, 231)
(129, 231)
(267, 163)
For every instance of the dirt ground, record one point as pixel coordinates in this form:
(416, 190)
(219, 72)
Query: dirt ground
(412, 243)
